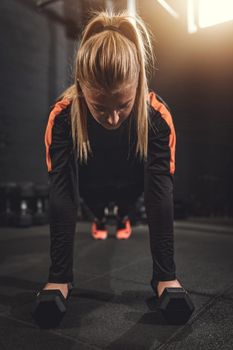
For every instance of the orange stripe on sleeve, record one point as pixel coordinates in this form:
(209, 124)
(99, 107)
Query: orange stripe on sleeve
(166, 115)
(59, 106)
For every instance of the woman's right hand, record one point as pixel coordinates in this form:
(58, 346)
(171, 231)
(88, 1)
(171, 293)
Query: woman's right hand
(63, 287)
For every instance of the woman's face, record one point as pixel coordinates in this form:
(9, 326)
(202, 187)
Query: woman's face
(111, 108)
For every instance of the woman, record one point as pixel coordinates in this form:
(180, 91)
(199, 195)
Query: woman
(109, 138)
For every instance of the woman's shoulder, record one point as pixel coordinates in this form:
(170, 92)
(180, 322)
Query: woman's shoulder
(61, 106)
(159, 112)
(156, 102)
(60, 111)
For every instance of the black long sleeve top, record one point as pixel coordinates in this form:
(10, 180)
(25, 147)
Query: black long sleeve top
(113, 163)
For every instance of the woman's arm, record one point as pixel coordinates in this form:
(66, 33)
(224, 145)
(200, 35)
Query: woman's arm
(63, 192)
(159, 170)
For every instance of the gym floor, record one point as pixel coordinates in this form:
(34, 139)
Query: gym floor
(112, 305)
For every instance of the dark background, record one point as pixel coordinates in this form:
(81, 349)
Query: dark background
(194, 76)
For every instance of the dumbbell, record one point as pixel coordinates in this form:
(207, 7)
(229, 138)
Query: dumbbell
(175, 305)
(22, 203)
(40, 216)
(141, 210)
(50, 307)
(111, 211)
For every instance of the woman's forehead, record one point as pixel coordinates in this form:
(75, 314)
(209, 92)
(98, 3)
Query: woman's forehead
(122, 92)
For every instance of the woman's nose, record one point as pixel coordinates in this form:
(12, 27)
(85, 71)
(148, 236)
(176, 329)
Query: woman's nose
(113, 118)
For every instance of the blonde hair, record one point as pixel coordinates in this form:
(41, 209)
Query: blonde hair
(115, 49)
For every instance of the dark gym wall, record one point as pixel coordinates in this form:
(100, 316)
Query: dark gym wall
(35, 65)
(195, 77)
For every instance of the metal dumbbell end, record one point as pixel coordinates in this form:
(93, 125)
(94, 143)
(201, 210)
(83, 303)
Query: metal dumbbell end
(49, 309)
(176, 305)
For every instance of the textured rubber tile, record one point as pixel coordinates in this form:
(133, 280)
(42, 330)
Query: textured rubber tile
(112, 306)
(122, 292)
(134, 293)
(100, 257)
(23, 336)
(12, 297)
(204, 261)
(211, 331)
(28, 255)
(219, 224)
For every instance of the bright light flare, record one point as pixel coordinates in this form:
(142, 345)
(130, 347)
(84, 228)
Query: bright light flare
(192, 27)
(214, 12)
(208, 13)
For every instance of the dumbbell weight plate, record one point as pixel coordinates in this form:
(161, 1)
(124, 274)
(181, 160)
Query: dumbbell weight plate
(40, 216)
(49, 309)
(176, 305)
(22, 203)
